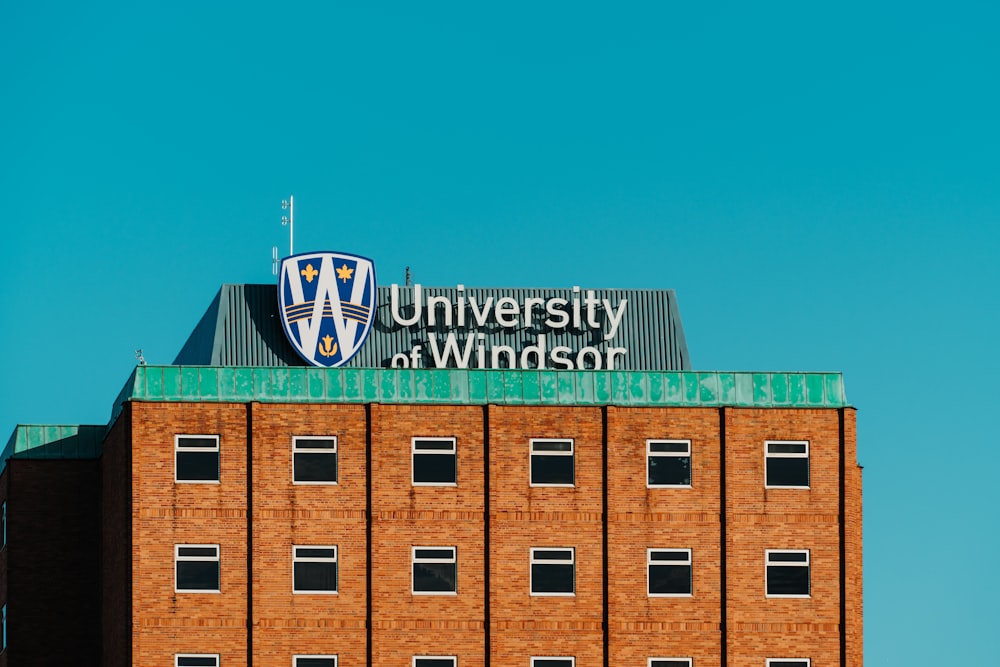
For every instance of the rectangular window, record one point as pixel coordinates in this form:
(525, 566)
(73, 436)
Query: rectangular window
(196, 458)
(435, 571)
(788, 662)
(669, 662)
(552, 463)
(550, 661)
(787, 573)
(434, 661)
(196, 568)
(434, 462)
(668, 463)
(669, 572)
(314, 460)
(314, 569)
(196, 660)
(314, 661)
(553, 571)
(787, 464)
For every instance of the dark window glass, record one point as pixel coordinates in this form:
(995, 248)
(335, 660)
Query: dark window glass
(787, 448)
(551, 469)
(552, 446)
(551, 578)
(553, 554)
(787, 580)
(669, 579)
(670, 663)
(434, 468)
(434, 445)
(315, 466)
(788, 557)
(434, 577)
(192, 661)
(669, 470)
(198, 575)
(670, 556)
(552, 662)
(195, 466)
(315, 662)
(435, 662)
(434, 553)
(210, 552)
(787, 471)
(313, 576)
(788, 663)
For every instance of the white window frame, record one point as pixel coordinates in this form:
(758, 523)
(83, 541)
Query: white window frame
(807, 564)
(217, 449)
(295, 659)
(454, 659)
(308, 559)
(805, 662)
(649, 663)
(335, 452)
(572, 660)
(178, 558)
(667, 563)
(178, 656)
(443, 452)
(550, 561)
(650, 453)
(784, 455)
(571, 453)
(414, 560)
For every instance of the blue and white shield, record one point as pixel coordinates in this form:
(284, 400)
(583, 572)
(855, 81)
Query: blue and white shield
(327, 305)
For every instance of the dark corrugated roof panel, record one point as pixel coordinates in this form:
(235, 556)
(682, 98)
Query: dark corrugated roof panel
(247, 331)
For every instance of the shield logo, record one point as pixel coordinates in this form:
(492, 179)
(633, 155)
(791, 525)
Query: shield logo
(327, 305)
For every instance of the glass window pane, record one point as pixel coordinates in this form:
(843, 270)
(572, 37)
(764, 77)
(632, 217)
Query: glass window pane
(669, 471)
(552, 662)
(192, 661)
(434, 577)
(670, 663)
(315, 662)
(550, 578)
(200, 575)
(669, 555)
(678, 447)
(315, 467)
(434, 468)
(787, 663)
(317, 577)
(198, 466)
(210, 552)
(552, 446)
(670, 579)
(787, 580)
(197, 443)
(553, 554)
(787, 472)
(311, 443)
(788, 557)
(434, 553)
(435, 662)
(315, 552)
(552, 469)
(786, 447)
(431, 445)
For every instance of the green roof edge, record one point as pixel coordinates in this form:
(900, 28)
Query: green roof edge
(277, 384)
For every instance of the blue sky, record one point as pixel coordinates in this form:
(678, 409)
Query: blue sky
(819, 182)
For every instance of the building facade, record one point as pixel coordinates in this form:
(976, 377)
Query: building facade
(347, 517)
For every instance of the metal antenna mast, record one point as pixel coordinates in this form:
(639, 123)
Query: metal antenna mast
(290, 221)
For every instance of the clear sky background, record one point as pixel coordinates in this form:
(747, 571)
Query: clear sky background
(820, 182)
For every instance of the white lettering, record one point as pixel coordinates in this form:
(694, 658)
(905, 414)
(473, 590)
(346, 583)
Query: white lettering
(404, 361)
(397, 317)
(593, 352)
(576, 307)
(480, 316)
(614, 317)
(558, 356)
(560, 315)
(415, 356)
(529, 304)
(537, 350)
(509, 351)
(506, 306)
(451, 348)
(592, 302)
(432, 303)
(615, 352)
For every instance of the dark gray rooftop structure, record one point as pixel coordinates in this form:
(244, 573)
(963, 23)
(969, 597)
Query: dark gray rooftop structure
(242, 327)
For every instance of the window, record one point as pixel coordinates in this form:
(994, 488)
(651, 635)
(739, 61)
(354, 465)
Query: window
(669, 662)
(314, 569)
(314, 460)
(315, 661)
(196, 660)
(196, 458)
(788, 662)
(553, 662)
(787, 464)
(787, 573)
(434, 570)
(434, 461)
(668, 572)
(668, 463)
(553, 572)
(434, 661)
(196, 568)
(552, 463)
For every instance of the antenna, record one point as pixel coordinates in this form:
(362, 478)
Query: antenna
(289, 220)
(138, 357)
(407, 276)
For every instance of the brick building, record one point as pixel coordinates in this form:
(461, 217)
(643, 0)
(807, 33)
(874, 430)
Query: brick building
(238, 515)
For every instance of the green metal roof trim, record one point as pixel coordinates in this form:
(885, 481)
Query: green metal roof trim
(477, 387)
(53, 442)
